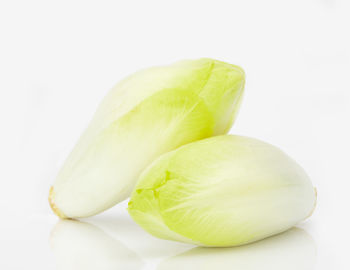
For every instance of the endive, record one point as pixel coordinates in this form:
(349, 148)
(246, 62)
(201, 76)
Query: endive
(222, 191)
(149, 113)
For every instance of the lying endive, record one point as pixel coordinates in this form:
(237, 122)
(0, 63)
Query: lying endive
(147, 114)
(222, 191)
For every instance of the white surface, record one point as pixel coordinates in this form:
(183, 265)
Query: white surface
(59, 58)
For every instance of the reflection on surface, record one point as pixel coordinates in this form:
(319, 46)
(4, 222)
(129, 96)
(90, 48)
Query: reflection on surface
(77, 245)
(293, 249)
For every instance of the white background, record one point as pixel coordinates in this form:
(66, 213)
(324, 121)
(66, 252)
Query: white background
(59, 58)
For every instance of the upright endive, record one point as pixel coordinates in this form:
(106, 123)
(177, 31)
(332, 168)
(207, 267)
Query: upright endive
(147, 114)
